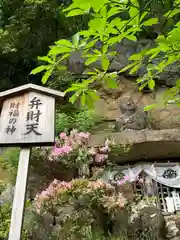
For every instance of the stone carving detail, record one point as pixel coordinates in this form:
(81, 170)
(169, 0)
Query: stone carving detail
(169, 174)
(131, 117)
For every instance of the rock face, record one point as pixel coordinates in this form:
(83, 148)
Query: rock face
(125, 49)
(152, 136)
(160, 118)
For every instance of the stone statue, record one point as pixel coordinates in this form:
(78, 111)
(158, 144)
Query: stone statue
(131, 117)
(75, 63)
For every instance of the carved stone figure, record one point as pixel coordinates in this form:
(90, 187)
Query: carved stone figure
(75, 63)
(131, 117)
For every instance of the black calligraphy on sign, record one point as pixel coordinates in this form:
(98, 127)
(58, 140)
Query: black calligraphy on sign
(13, 117)
(33, 116)
(35, 102)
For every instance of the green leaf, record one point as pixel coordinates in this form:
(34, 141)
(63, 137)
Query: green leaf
(39, 69)
(134, 14)
(75, 12)
(91, 59)
(93, 94)
(150, 22)
(65, 43)
(89, 102)
(172, 13)
(64, 56)
(136, 56)
(91, 44)
(151, 84)
(74, 97)
(178, 83)
(104, 62)
(127, 67)
(103, 11)
(75, 39)
(72, 89)
(111, 83)
(70, 7)
(115, 39)
(97, 5)
(57, 50)
(150, 107)
(45, 59)
(85, 33)
(135, 3)
(92, 73)
(47, 75)
(61, 67)
(143, 15)
(113, 11)
(135, 68)
(143, 86)
(153, 52)
(131, 37)
(112, 30)
(83, 99)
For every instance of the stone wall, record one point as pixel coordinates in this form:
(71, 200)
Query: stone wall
(109, 106)
(159, 139)
(125, 49)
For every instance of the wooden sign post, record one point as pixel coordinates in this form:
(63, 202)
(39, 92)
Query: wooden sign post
(27, 119)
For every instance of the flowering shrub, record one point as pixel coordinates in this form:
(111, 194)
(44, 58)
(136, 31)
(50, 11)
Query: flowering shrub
(123, 181)
(60, 193)
(73, 151)
(80, 204)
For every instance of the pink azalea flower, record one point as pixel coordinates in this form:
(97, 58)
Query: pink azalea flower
(100, 158)
(126, 178)
(121, 182)
(67, 149)
(55, 182)
(61, 151)
(104, 149)
(84, 135)
(63, 135)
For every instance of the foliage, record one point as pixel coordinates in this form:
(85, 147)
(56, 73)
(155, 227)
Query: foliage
(107, 26)
(9, 162)
(22, 39)
(84, 120)
(5, 218)
(5, 215)
(60, 80)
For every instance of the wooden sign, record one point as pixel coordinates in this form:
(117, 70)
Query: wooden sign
(27, 119)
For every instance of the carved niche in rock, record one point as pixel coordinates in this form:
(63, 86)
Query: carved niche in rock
(131, 117)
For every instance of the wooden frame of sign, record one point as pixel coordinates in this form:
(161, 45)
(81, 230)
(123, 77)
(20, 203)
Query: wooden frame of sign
(27, 119)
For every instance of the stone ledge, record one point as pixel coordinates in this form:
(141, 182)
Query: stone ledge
(145, 144)
(135, 136)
